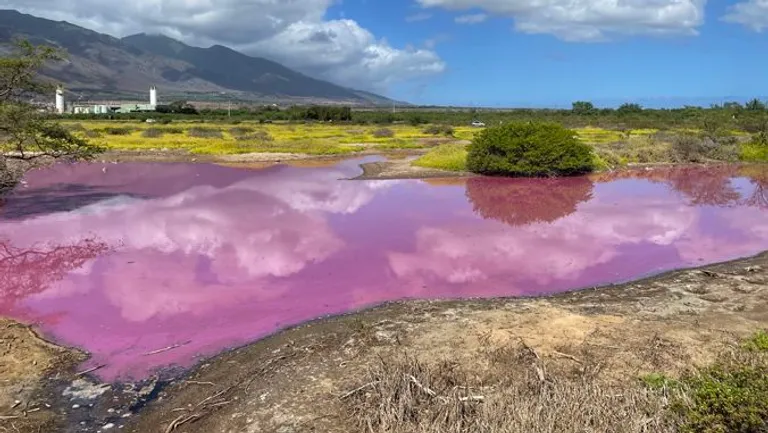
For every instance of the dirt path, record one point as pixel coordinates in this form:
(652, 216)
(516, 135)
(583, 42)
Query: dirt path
(401, 168)
(320, 376)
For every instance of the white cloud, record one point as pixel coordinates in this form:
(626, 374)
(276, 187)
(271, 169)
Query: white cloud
(290, 31)
(471, 19)
(751, 13)
(349, 54)
(421, 16)
(589, 20)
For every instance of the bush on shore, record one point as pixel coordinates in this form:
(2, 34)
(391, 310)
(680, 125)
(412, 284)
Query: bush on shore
(446, 130)
(529, 149)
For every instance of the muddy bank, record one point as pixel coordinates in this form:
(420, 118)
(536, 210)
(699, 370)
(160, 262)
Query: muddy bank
(30, 368)
(173, 155)
(401, 168)
(300, 380)
(396, 166)
(396, 163)
(304, 379)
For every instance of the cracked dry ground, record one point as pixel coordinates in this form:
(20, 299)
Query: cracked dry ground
(327, 376)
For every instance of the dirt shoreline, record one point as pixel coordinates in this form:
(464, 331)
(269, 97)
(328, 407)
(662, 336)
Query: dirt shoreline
(292, 381)
(397, 163)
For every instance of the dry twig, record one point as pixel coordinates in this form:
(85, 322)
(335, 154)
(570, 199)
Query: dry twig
(358, 389)
(571, 357)
(90, 370)
(165, 349)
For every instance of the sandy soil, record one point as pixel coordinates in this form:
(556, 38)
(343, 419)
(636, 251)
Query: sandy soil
(27, 363)
(299, 379)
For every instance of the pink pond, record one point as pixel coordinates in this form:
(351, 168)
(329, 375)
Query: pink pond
(123, 260)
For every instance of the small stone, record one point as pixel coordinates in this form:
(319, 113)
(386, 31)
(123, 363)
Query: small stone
(126, 415)
(110, 410)
(75, 406)
(108, 426)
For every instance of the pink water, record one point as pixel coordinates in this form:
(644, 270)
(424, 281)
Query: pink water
(123, 260)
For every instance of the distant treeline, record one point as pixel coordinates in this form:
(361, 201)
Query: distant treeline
(750, 117)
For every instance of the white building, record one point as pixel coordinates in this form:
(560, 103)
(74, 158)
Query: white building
(60, 100)
(153, 96)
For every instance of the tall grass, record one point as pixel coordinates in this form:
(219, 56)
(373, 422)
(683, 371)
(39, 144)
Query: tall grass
(512, 389)
(452, 157)
(511, 393)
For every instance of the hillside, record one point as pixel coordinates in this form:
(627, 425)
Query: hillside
(100, 65)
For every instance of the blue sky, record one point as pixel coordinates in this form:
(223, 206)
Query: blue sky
(495, 53)
(492, 64)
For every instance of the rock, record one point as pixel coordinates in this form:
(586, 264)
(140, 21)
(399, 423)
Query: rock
(385, 337)
(85, 390)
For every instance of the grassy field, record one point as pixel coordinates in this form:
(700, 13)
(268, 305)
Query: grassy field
(612, 148)
(313, 139)
(451, 156)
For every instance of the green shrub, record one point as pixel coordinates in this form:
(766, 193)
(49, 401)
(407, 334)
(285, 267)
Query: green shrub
(90, 133)
(383, 133)
(446, 130)
(152, 133)
(728, 396)
(725, 398)
(173, 130)
(256, 135)
(75, 127)
(204, 132)
(529, 149)
(658, 381)
(240, 131)
(758, 342)
(688, 148)
(118, 131)
(756, 150)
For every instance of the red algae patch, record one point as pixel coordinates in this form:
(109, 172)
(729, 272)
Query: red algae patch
(148, 266)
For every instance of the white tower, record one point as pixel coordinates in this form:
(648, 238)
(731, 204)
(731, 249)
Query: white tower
(60, 100)
(153, 96)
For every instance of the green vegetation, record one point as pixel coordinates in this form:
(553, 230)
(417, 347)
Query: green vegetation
(756, 150)
(583, 108)
(450, 156)
(529, 149)
(728, 396)
(383, 133)
(757, 343)
(610, 148)
(26, 136)
(205, 132)
(152, 133)
(446, 130)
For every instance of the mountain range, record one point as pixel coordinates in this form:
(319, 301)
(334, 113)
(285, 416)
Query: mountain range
(99, 66)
